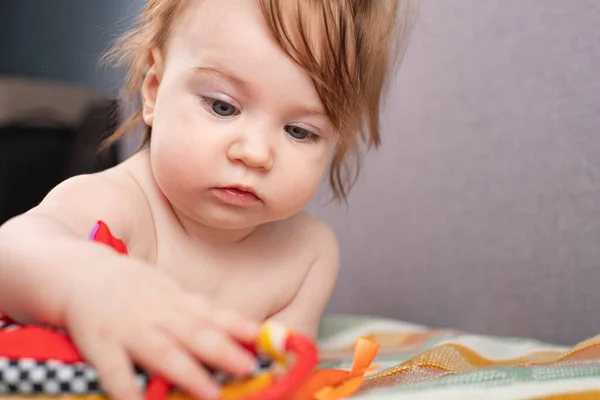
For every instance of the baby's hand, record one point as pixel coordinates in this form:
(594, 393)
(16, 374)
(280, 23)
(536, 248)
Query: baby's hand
(132, 313)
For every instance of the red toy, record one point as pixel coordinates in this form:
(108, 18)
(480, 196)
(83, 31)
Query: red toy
(43, 363)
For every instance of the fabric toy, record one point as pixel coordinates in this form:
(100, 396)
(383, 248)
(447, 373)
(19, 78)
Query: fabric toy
(38, 362)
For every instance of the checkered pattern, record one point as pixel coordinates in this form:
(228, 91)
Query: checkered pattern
(54, 378)
(27, 376)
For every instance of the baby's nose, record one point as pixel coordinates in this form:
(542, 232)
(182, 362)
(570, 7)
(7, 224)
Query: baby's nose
(254, 152)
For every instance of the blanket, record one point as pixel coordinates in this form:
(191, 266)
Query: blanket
(415, 362)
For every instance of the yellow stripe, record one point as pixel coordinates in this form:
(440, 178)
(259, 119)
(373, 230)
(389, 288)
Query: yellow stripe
(455, 358)
(591, 395)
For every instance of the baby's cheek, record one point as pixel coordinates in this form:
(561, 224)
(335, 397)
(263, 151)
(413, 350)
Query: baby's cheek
(171, 166)
(298, 186)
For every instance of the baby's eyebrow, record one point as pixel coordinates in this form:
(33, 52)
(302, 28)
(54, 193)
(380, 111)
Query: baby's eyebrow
(223, 74)
(220, 72)
(317, 112)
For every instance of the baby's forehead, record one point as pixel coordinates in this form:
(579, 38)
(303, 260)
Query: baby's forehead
(235, 25)
(232, 36)
(230, 23)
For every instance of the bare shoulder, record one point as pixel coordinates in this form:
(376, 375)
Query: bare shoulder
(112, 196)
(315, 233)
(319, 243)
(324, 243)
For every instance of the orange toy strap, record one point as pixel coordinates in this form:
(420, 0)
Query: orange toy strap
(333, 384)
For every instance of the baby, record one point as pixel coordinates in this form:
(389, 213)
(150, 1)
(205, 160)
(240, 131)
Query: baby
(246, 104)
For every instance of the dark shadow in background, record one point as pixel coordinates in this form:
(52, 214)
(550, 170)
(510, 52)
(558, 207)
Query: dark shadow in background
(56, 44)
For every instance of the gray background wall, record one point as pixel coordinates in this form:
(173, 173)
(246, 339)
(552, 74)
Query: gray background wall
(482, 210)
(62, 40)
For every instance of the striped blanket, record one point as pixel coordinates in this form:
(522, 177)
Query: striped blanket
(419, 363)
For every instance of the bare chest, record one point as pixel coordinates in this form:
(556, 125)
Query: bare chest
(256, 283)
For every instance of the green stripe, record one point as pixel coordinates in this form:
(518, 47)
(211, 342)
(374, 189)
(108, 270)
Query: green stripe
(397, 358)
(498, 377)
(334, 324)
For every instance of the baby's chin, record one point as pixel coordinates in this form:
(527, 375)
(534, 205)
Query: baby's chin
(231, 224)
(242, 221)
(228, 219)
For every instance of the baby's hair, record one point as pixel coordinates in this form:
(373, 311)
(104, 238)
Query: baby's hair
(348, 47)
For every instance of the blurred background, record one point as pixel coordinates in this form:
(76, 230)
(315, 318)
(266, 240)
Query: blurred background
(482, 210)
(57, 101)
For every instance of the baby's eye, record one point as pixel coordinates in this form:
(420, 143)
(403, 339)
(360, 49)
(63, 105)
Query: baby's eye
(300, 133)
(221, 108)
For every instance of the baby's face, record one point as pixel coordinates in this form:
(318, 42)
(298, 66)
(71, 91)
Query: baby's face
(233, 111)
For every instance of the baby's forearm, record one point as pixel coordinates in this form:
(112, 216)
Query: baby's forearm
(40, 261)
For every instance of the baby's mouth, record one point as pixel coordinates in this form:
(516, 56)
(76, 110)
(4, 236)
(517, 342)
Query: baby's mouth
(237, 196)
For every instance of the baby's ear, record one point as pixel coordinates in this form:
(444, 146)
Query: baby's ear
(151, 83)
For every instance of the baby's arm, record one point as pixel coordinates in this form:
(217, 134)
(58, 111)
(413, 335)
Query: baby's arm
(44, 251)
(304, 312)
(118, 310)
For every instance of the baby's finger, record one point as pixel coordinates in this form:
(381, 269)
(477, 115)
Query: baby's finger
(116, 374)
(237, 326)
(229, 321)
(162, 355)
(218, 350)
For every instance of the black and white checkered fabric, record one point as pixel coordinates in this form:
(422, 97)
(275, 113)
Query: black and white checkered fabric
(27, 376)
(30, 377)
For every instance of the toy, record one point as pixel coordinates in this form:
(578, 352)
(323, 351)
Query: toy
(43, 362)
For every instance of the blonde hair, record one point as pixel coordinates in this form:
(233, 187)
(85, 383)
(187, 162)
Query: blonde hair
(348, 47)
